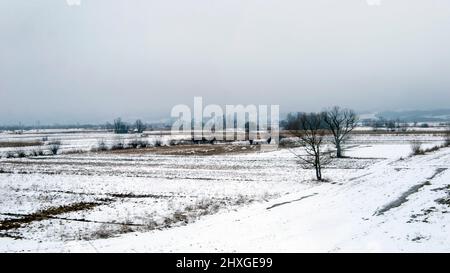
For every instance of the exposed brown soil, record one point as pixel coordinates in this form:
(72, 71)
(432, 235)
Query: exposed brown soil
(16, 144)
(44, 215)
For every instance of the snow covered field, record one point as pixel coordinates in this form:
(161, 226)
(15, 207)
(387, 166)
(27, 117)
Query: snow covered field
(378, 199)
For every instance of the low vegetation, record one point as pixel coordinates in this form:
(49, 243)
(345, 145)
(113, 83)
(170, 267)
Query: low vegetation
(54, 147)
(417, 149)
(102, 146)
(37, 152)
(447, 137)
(21, 153)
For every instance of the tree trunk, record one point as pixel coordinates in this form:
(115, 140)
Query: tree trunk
(338, 150)
(318, 172)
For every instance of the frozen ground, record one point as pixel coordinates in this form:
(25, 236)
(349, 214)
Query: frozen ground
(72, 140)
(379, 199)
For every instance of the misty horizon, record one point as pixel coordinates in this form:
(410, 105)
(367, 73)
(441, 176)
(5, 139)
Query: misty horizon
(93, 62)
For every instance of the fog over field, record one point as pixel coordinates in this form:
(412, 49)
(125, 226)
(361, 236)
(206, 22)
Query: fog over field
(102, 59)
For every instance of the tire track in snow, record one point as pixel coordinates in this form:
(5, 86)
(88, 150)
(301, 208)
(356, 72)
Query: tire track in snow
(404, 197)
(288, 202)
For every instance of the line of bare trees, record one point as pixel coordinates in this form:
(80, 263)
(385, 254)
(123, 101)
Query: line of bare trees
(121, 127)
(312, 128)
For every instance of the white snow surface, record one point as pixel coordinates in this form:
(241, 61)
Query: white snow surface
(334, 218)
(379, 200)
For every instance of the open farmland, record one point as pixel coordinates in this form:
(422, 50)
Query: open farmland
(51, 202)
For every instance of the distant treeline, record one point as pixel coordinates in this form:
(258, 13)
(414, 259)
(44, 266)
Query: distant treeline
(105, 126)
(54, 126)
(440, 115)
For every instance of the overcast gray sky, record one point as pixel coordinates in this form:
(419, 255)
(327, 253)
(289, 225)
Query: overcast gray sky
(138, 58)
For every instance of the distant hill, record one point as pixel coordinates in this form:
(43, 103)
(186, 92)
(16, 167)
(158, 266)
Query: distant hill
(440, 115)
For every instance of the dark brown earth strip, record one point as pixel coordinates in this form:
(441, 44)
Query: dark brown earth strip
(16, 144)
(45, 214)
(76, 220)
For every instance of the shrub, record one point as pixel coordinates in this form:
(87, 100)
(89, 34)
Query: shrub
(102, 146)
(54, 148)
(103, 232)
(143, 143)
(416, 148)
(118, 145)
(173, 142)
(133, 144)
(21, 153)
(289, 142)
(158, 142)
(37, 152)
(9, 154)
(432, 149)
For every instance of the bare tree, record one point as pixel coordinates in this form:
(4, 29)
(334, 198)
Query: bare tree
(309, 128)
(120, 127)
(139, 126)
(340, 122)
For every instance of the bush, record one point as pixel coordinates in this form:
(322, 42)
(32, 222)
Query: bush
(54, 148)
(158, 142)
(289, 142)
(143, 143)
(102, 146)
(133, 144)
(416, 148)
(173, 142)
(21, 154)
(9, 154)
(118, 145)
(37, 152)
(432, 149)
